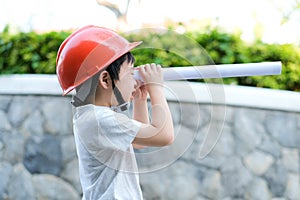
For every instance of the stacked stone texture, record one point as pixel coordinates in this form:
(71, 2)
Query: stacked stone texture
(234, 153)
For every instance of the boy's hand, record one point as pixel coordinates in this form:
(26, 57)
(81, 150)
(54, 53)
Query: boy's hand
(140, 93)
(151, 75)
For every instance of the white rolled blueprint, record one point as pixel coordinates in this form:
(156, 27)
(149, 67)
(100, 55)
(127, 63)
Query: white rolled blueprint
(218, 71)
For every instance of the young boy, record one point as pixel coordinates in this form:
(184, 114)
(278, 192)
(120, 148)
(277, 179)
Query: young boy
(97, 63)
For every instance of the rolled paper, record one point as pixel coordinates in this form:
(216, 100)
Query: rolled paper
(218, 71)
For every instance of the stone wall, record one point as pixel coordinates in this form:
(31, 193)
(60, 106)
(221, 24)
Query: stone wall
(231, 143)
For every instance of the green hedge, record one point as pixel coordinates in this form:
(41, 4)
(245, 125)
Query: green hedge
(29, 52)
(229, 48)
(36, 53)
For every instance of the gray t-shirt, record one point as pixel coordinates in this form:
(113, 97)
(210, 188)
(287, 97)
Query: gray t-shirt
(107, 164)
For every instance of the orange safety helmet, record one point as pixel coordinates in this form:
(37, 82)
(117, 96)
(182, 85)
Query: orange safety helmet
(87, 51)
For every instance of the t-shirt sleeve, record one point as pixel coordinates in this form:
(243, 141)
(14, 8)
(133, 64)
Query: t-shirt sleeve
(116, 130)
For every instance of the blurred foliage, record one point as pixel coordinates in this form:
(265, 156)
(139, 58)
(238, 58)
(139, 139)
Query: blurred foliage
(36, 53)
(227, 48)
(29, 52)
(167, 48)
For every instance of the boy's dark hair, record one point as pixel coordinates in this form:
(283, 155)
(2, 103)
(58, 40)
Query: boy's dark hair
(114, 68)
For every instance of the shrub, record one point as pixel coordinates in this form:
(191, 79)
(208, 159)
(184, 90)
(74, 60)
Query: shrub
(29, 52)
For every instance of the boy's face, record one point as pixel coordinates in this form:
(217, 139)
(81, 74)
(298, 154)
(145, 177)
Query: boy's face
(126, 83)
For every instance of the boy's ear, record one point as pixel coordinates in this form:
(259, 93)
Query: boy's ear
(105, 80)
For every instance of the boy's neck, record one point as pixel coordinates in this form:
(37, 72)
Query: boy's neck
(104, 98)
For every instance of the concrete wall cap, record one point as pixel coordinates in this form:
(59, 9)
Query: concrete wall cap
(183, 91)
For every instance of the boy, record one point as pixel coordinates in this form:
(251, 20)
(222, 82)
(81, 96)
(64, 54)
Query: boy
(97, 63)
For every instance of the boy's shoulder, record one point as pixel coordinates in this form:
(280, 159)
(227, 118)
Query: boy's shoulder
(92, 111)
(91, 107)
(102, 114)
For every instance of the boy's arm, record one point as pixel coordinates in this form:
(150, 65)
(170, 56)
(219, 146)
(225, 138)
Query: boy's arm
(140, 108)
(160, 131)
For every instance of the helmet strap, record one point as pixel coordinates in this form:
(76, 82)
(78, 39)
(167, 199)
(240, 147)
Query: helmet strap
(122, 105)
